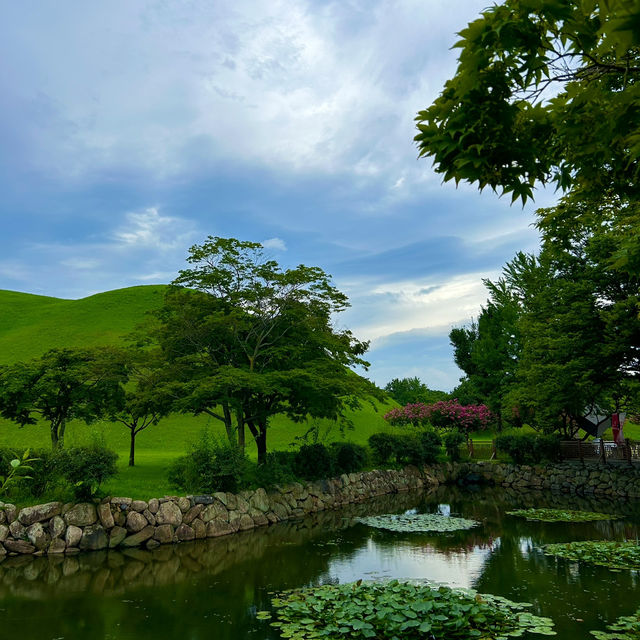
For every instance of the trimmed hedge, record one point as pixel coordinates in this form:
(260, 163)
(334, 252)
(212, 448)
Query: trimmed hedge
(529, 448)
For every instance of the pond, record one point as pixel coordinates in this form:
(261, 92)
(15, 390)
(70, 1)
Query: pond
(211, 589)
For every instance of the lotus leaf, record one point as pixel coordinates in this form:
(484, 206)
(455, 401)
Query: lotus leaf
(417, 522)
(561, 515)
(612, 554)
(625, 628)
(401, 610)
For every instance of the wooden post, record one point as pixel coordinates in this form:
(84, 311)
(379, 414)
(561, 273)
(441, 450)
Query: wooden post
(580, 452)
(627, 451)
(494, 452)
(470, 448)
(603, 452)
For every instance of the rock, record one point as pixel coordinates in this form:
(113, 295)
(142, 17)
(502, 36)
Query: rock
(138, 538)
(31, 515)
(73, 536)
(185, 532)
(38, 536)
(4, 532)
(10, 512)
(3, 515)
(245, 522)
(116, 536)
(152, 544)
(18, 546)
(154, 505)
(242, 505)
(151, 519)
(200, 528)
(203, 500)
(139, 505)
(136, 522)
(193, 513)
(94, 537)
(17, 530)
(217, 528)
(215, 511)
(81, 515)
(57, 527)
(163, 534)
(259, 518)
(123, 503)
(57, 546)
(169, 513)
(260, 501)
(280, 510)
(119, 518)
(184, 504)
(105, 516)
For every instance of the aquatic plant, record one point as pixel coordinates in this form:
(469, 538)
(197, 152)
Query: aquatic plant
(561, 515)
(404, 610)
(416, 522)
(607, 553)
(624, 628)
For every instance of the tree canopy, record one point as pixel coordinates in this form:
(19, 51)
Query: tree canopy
(545, 91)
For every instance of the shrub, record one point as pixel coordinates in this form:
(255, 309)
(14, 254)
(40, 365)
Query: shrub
(452, 441)
(313, 461)
(431, 445)
(348, 457)
(383, 447)
(419, 449)
(210, 466)
(85, 468)
(529, 448)
(278, 469)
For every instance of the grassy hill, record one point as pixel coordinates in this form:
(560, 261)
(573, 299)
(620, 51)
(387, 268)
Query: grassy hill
(31, 324)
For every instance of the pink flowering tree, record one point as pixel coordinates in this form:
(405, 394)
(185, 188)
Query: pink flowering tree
(446, 414)
(450, 414)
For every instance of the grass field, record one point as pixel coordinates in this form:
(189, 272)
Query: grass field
(30, 325)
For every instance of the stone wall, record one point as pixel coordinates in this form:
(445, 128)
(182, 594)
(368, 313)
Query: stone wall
(619, 480)
(56, 528)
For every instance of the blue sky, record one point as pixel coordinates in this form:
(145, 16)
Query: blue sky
(132, 130)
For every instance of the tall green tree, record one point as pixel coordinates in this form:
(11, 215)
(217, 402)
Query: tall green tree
(412, 390)
(61, 385)
(248, 340)
(545, 91)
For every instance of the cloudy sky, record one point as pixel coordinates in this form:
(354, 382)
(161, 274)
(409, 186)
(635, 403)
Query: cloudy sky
(133, 129)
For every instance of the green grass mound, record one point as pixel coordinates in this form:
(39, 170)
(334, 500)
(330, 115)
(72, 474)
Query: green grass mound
(418, 522)
(401, 610)
(624, 628)
(615, 555)
(561, 515)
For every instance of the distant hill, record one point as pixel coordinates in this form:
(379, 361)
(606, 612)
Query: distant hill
(31, 324)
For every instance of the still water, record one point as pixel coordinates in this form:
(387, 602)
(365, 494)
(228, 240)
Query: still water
(211, 589)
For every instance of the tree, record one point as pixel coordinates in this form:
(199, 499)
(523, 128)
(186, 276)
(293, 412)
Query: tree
(61, 385)
(248, 340)
(412, 390)
(143, 400)
(545, 90)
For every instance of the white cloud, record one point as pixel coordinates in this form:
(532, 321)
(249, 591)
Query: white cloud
(277, 244)
(148, 228)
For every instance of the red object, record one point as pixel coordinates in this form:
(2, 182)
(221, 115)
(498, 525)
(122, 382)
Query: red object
(615, 427)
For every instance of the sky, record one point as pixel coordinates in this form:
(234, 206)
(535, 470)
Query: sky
(133, 129)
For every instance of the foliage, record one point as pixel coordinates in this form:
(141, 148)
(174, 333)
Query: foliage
(382, 446)
(624, 628)
(501, 122)
(561, 515)
(529, 448)
(248, 340)
(18, 468)
(414, 413)
(60, 385)
(400, 610)
(86, 468)
(612, 554)
(452, 441)
(313, 461)
(348, 457)
(450, 414)
(278, 469)
(411, 390)
(211, 465)
(418, 522)
(417, 449)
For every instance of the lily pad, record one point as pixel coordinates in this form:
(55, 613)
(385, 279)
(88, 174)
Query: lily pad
(401, 610)
(418, 522)
(561, 515)
(606, 553)
(624, 628)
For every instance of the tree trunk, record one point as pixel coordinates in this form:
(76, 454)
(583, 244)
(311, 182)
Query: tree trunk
(57, 434)
(241, 436)
(261, 443)
(228, 425)
(132, 448)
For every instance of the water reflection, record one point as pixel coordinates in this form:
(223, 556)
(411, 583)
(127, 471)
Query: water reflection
(212, 588)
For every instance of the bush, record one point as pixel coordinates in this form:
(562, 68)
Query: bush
(529, 448)
(431, 445)
(383, 447)
(417, 449)
(278, 469)
(313, 461)
(452, 441)
(348, 457)
(211, 466)
(85, 468)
